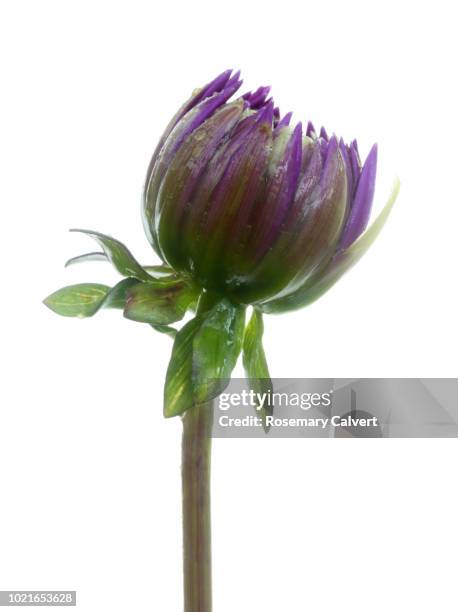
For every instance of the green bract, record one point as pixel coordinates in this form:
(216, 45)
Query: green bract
(207, 347)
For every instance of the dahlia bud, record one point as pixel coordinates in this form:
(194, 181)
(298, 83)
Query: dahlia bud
(251, 207)
(243, 208)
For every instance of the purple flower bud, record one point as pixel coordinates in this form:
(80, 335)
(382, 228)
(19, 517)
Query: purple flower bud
(248, 205)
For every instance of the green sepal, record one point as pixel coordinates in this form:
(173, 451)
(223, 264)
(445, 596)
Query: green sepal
(204, 354)
(159, 302)
(321, 282)
(85, 299)
(216, 348)
(82, 300)
(178, 389)
(119, 255)
(255, 364)
(159, 271)
(94, 256)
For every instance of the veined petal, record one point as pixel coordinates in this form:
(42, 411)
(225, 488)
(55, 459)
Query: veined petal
(280, 193)
(350, 182)
(228, 192)
(307, 183)
(215, 172)
(355, 161)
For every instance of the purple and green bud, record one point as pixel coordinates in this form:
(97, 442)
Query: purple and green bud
(243, 207)
(254, 208)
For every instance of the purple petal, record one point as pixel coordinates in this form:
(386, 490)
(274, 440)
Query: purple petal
(257, 99)
(324, 148)
(266, 114)
(196, 117)
(284, 121)
(311, 132)
(187, 166)
(222, 81)
(188, 118)
(217, 177)
(208, 90)
(323, 134)
(230, 198)
(346, 158)
(312, 229)
(281, 191)
(355, 162)
(324, 212)
(308, 180)
(361, 207)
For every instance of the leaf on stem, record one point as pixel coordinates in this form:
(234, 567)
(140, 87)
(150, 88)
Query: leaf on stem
(159, 302)
(255, 364)
(118, 254)
(204, 354)
(82, 300)
(85, 299)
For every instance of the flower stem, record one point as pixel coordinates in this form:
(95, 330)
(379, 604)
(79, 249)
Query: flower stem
(195, 470)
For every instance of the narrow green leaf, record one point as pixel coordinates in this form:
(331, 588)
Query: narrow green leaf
(81, 300)
(159, 302)
(317, 285)
(118, 254)
(159, 271)
(96, 256)
(216, 347)
(154, 271)
(178, 389)
(255, 364)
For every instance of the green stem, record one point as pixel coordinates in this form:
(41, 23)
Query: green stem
(196, 457)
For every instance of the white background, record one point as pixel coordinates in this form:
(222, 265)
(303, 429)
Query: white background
(90, 490)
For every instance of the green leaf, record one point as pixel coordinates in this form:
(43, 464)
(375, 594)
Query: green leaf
(85, 299)
(205, 349)
(216, 347)
(165, 329)
(178, 390)
(255, 364)
(119, 255)
(154, 271)
(117, 296)
(96, 256)
(159, 302)
(81, 300)
(318, 284)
